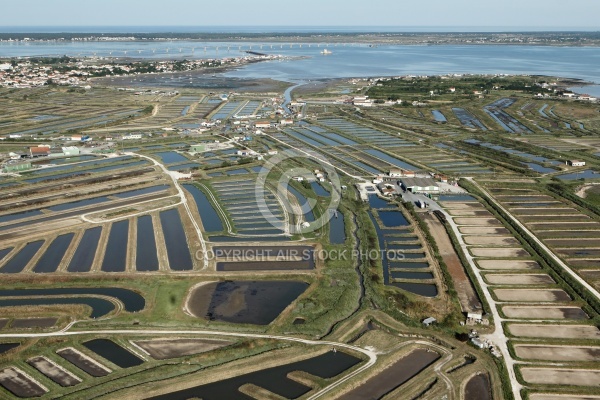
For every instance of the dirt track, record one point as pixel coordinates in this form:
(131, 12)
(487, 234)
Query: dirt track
(469, 301)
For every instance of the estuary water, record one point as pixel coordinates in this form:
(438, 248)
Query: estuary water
(345, 61)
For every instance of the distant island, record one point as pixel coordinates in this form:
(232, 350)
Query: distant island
(391, 38)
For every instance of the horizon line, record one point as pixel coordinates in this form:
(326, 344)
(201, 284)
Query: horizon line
(303, 26)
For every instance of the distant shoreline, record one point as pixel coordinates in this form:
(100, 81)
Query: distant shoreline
(538, 38)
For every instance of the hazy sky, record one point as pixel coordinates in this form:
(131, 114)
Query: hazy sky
(519, 13)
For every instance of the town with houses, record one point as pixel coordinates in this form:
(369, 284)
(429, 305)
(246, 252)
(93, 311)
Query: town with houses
(28, 72)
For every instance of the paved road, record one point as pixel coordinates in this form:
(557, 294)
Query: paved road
(315, 157)
(498, 337)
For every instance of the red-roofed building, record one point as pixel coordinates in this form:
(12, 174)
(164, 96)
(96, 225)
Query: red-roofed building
(40, 151)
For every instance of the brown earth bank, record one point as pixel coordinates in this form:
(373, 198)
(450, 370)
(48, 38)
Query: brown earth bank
(557, 353)
(53, 371)
(84, 362)
(544, 312)
(545, 396)
(452, 205)
(593, 263)
(498, 252)
(555, 331)
(507, 264)
(531, 295)
(20, 384)
(494, 240)
(568, 377)
(578, 242)
(560, 234)
(543, 211)
(467, 296)
(477, 221)
(469, 213)
(467, 230)
(519, 279)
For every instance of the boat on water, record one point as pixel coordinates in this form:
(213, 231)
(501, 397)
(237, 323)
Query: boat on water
(326, 52)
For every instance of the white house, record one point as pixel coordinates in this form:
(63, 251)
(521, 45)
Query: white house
(395, 173)
(362, 101)
(132, 136)
(262, 125)
(476, 315)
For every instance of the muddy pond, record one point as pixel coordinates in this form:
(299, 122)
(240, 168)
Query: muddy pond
(327, 365)
(244, 302)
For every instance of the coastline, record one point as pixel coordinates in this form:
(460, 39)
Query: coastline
(521, 38)
(213, 78)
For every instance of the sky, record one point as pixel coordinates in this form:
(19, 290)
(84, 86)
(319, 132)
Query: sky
(536, 14)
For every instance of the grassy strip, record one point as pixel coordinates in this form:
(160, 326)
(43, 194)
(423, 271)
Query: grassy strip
(453, 319)
(207, 187)
(470, 274)
(504, 378)
(497, 157)
(566, 191)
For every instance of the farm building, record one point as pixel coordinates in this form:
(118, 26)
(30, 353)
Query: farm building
(262, 125)
(17, 166)
(476, 316)
(576, 163)
(395, 172)
(420, 185)
(399, 172)
(132, 136)
(70, 151)
(40, 151)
